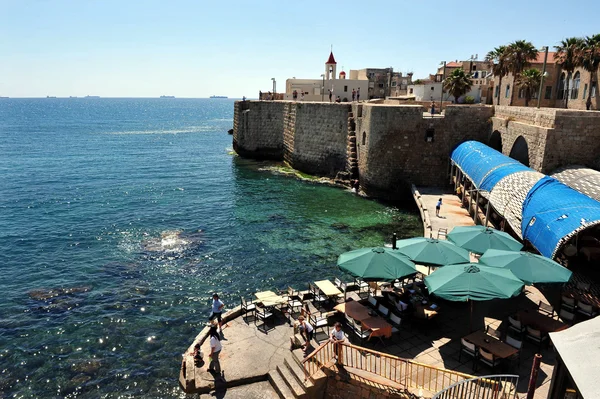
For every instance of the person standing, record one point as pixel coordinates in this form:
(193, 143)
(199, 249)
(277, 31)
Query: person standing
(306, 331)
(215, 350)
(302, 95)
(438, 207)
(295, 95)
(330, 94)
(358, 94)
(353, 95)
(217, 309)
(432, 108)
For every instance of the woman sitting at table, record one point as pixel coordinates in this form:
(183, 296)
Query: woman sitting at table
(306, 331)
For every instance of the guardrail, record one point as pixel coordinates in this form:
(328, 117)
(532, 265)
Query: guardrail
(408, 373)
(487, 387)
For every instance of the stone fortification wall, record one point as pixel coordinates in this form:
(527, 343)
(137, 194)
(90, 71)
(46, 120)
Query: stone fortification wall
(258, 129)
(554, 137)
(394, 150)
(320, 137)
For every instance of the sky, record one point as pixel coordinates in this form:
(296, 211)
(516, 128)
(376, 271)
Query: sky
(198, 48)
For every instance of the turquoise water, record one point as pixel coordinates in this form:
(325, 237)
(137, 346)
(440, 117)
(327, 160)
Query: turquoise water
(119, 217)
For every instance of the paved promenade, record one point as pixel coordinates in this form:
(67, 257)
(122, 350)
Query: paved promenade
(451, 214)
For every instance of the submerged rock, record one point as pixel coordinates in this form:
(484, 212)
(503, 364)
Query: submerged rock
(90, 366)
(44, 294)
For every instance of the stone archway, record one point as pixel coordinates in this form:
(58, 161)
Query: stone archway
(520, 151)
(495, 141)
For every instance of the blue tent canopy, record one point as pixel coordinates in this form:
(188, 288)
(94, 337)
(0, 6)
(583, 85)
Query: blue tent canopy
(484, 165)
(554, 212)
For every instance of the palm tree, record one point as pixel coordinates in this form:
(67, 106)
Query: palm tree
(458, 83)
(529, 80)
(567, 57)
(499, 65)
(590, 61)
(520, 54)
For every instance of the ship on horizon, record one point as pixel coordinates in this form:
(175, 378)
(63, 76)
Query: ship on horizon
(219, 97)
(167, 96)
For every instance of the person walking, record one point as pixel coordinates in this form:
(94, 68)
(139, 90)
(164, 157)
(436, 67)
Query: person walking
(215, 350)
(353, 95)
(358, 94)
(217, 309)
(306, 331)
(438, 207)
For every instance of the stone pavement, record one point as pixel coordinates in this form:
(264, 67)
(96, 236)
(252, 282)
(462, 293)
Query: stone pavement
(451, 214)
(257, 390)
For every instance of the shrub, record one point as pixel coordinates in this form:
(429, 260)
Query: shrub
(469, 100)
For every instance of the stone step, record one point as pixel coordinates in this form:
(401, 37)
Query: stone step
(297, 372)
(352, 139)
(296, 388)
(279, 385)
(351, 133)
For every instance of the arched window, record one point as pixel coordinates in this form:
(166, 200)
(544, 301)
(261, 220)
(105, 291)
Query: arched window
(560, 93)
(364, 138)
(575, 85)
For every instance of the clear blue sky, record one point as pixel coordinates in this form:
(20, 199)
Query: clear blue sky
(197, 48)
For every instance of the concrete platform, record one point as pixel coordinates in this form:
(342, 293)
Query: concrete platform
(258, 390)
(451, 214)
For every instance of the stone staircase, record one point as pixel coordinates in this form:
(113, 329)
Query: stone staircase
(352, 157)
(288, 379)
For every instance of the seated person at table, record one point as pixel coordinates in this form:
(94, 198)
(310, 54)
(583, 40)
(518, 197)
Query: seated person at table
(306, 330)
(337, 335)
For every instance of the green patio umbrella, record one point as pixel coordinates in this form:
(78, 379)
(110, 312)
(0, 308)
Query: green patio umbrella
(432, 252)
(376, 264)
(473, 282)
(528, 267)
(479, 239)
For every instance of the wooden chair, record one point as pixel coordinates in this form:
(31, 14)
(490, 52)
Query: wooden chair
(546, 309)
(566, 316)
(488, 359)
(493, 332)
(515, 325)
(586, 309)
(318, 322)
(535, 336)
(360, 331)
(468, 349)
(568, 303)
(247, 307)
(263, 314)
(515, 343)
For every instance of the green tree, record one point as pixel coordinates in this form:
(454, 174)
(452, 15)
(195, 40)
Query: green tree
(568, 58)
(497, 57)
(458, 83)
(590, 61)
(519, 56)
(529, 80)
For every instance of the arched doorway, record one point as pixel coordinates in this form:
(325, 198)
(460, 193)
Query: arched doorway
(520, 151)
(495, 141)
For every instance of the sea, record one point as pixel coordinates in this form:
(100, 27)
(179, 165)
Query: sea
(118, 220)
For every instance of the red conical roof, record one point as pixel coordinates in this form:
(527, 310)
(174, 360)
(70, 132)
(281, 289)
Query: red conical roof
(331, 60)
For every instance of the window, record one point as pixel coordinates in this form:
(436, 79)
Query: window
(497, 92)
(521, 93)
(507, 91)
(394, 84)
(345, 89)
(534, 94)
(548, 94)
(593, 89)
(364, 138)
(561, 87)
(380, 85)
(585, 88)
(410, 91)
(575, 85)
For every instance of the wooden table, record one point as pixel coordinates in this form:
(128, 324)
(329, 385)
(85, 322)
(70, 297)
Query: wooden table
(491, 344)
(378, 326)
(328, 288)
(540, 322)
(269, 298)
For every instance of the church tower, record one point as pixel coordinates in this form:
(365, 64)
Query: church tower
(330, 66)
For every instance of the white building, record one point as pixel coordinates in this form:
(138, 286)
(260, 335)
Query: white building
(318, 89)
(429, 90)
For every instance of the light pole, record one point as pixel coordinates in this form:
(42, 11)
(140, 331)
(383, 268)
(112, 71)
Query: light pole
(543, 76)
(443, 78)
(274, 88)
(323, 88)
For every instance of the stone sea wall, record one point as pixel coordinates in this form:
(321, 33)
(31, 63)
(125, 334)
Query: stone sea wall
(396, 145)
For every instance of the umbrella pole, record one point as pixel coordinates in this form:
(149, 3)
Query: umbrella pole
(471, 318)
(394, 238)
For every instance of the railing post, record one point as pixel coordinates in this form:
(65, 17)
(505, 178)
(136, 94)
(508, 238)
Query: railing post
(535, 368)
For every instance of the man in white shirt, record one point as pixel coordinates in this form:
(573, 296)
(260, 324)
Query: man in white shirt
(306, 330)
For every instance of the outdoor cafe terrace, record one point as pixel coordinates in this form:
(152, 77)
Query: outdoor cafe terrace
(422, 347)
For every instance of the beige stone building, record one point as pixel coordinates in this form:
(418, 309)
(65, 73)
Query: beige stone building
(383, 82)
(554, 90)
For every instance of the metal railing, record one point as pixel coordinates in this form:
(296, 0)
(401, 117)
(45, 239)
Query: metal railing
(407, 373)
(486, 387)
